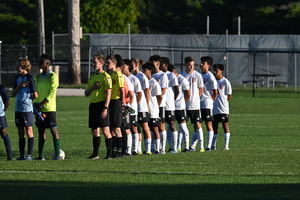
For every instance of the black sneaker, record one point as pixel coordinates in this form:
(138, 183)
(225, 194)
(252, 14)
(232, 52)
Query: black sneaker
(39, 158)
(107, 158)
(135, 153)
(93, 157)
(170, 150)
(185, 150)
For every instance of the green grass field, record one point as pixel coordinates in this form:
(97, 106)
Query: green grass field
(262, 163)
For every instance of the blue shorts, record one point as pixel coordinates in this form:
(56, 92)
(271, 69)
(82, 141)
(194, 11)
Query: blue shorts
(23, 119)
(3, 123)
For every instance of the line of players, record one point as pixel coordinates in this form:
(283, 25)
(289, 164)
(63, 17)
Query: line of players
(160, 96)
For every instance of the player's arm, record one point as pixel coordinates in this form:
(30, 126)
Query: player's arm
(187, 94)
(163, 91)
(121, 89)
(159, 99)
(229, 96)
(16, 89)
(176, 91)
(201, 90)
(214, 94)
(131, 96)
(34, 95)
(6, 104)
(147, 95)
(89, 91)
(138, 97)
(106, 103)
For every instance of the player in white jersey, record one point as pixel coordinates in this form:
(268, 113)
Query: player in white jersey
(171, 95)
(137, 99)
(162, 79)
(180, 112)
(207, 99)
(193, 104)
(143, 106)
(155, 101)
(221, 106)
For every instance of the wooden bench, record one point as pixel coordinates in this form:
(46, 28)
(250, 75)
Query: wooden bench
(282, 82)
(250, 81)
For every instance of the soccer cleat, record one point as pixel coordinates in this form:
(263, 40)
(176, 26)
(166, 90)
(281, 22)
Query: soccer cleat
(126, 155)
(135, 153)
(39, 158)
(185, 150)
(28, 158)
(20, 158)
(179, 150)
(170, 150)
(59, 158)
(226, 148)
(107, 158)
(174, 151)
(213, 148)
(208, 149)
(162, 152)
(148, 153)
(140, 153)
(191, 149)
(156, 152)
(9, 159)
(201, 150)
(93, 157)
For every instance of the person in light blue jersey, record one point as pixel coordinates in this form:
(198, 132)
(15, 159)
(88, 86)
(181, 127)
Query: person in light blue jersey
(25, 91)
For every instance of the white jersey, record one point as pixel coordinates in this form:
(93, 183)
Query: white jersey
(221, 105)
(196, 82)
(162, 79)
(144, 81)
(183, 85)
(155, 90)
(210, 83)
(136, 88)
(170, 101)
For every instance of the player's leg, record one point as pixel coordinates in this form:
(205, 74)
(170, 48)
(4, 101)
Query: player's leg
(22, 143)
(215, 127)
(56, 142)
(41, 143)
(226, 135)
(96, 143)
(30, 142)
(6, 140)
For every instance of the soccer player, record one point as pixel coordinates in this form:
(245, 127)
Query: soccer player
(25, 91)
(155, 101)
(137, 89)
(171, 94)
(46, 86)
(221, 106)
(180, 109)
(207, 98)
(193, 104)
(143, 106)
(99, 90)
(162, 79)
(4, 103)
(116, 103)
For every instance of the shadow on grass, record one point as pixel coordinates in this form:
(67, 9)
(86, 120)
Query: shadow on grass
(82, 190)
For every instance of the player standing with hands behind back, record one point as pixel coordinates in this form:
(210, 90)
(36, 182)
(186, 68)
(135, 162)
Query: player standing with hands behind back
(46, 85)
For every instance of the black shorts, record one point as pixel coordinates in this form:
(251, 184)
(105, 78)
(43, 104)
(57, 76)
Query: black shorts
(154, 122)
(115, 112)
(49, 121)
(194, 115)
(95, 110)
(162, 117)
(180, 116)
(207, 115)
(143, 117)
(134, 120)
(170, 115)
(3, 123)
(23, 119)
(126, 121)
(221, 118)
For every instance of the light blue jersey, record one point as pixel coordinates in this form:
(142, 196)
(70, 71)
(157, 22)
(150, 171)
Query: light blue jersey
(3, 99)
(24, 95)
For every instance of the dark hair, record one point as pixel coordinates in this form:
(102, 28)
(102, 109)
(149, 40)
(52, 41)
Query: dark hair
(171, 67)
(165, 60)
(127, 62)
(207, 59)
(119, 60)
(149, 66)
(48, 57)
(111, 57)
(155, 58)
(219, 66)
(188, 59)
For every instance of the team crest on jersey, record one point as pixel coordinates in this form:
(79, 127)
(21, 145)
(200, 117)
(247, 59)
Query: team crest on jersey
(157, 79)
(221, 86)
(194, 80)
(205, 80)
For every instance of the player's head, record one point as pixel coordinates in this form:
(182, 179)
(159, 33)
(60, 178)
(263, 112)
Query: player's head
(189, 64)
(156, 60)
(98, 61)
(207, 59)
(218, 70)
(148, 69)
(47, 57)
(126, 67)
(119, 60)
(171, 68)
(111, 62)
(24, 63)
(218, 66)
(165, 62)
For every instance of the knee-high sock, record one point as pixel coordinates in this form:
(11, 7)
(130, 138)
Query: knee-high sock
(96, 146)
(135, 138)
(109, 144)
(22, 142)
(30, 145)
(7, 145)
(56, 143)
(214, 142)
(186, 134)
(226, 139)
(194, 140)
(170, 137)
(200, 138)
(163, 140)
(210, 135)
(41, 147)
(175, 138)
(129, 143)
